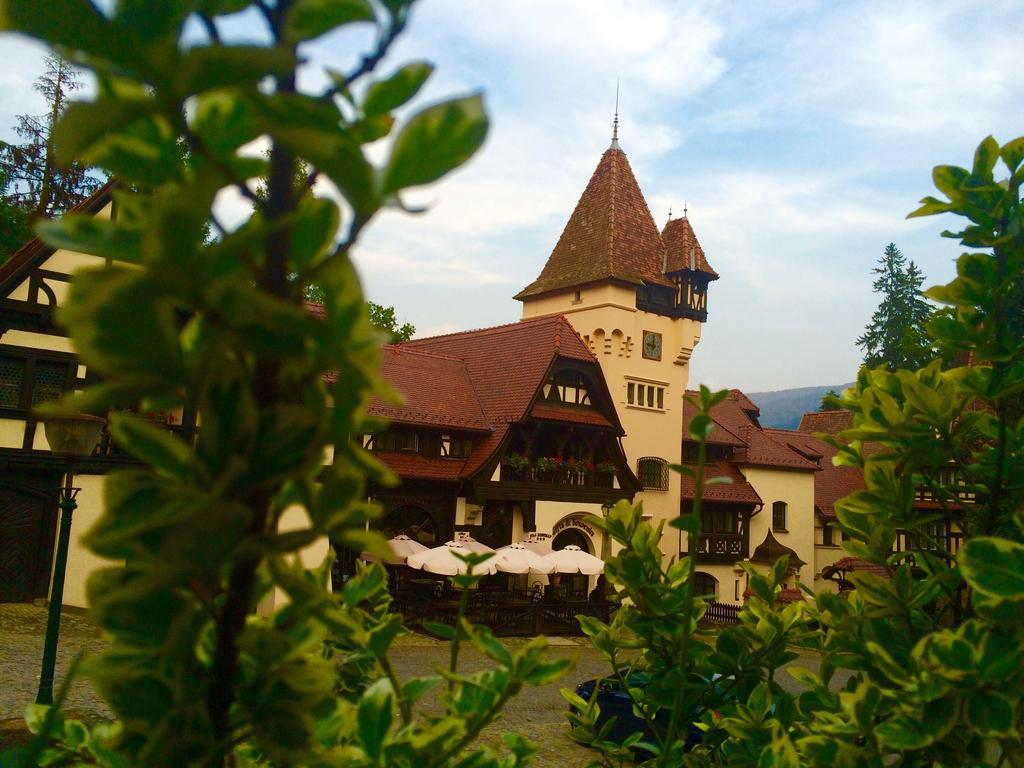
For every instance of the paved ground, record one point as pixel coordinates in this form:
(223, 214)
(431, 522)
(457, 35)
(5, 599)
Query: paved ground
(537, 713)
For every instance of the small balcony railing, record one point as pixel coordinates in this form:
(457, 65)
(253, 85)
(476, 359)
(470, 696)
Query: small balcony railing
(721, 547)
(560, 476)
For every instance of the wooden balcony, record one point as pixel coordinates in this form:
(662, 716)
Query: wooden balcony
(561, 476)
(722, 547)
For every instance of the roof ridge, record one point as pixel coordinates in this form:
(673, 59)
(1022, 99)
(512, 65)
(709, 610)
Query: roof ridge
(486, 329)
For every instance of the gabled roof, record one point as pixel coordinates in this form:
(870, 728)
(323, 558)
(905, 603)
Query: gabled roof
(682, 249)
(507, 365)
(35, 251)
(832, 483)
(736, 425)
(437, 389)
(609, 236)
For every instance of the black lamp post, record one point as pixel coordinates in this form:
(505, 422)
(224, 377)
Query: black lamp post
(70, 437)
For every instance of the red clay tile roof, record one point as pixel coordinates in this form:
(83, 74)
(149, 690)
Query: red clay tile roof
(437, 389)
(763, 451)
(831, 422)
(35, 248)
(416, 466)
(570, 414)
(507, 365)
(737, 416)
(609, 236)
(680, 244)
(738, 491)
(719, 434)
(832, 483)
(790, 595)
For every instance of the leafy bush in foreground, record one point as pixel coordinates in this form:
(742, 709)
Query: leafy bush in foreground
(217, 325)
(934, 653)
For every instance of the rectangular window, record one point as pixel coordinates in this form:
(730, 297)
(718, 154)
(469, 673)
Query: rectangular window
(826, 535)
(48, 380)
(384, 441)
(12, 379)
(645, 395)
(368, 442)
(446, 445)
(779, 516)
(408, 441)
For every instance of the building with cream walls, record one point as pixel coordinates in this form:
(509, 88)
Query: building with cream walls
(506, 432)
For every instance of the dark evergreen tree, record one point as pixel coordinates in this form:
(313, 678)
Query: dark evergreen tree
(896, 337)
(31, 182)
(829, 401)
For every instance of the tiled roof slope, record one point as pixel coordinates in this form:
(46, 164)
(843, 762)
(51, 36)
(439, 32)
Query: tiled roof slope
(413, 465)
(739, 491)
(34, 249)
(680, 243)
(437, 389)
(737, 416)
(570, 414)
(832, 483)
(506, 365)
(609, 236)
(719, 434)
(830, 422)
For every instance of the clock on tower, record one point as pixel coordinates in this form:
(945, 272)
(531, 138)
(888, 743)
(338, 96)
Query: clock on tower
(652, 345)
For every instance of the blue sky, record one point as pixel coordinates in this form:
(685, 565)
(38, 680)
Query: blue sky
(799, 134)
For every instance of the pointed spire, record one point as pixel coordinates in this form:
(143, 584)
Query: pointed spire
(615, 122)
(684, 209)
(670, 211)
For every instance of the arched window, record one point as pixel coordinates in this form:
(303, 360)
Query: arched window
(779, 516)
(653, 473)
(705, 585)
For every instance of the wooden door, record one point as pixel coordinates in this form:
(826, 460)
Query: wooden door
(28, 518)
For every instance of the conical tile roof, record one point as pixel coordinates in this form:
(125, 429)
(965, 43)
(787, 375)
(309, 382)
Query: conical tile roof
(610, 235)
(683, 249)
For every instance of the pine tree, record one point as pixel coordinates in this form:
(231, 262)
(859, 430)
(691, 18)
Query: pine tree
(896, 336)
(30, 180)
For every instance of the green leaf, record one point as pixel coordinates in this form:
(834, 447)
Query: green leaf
(994, 566)
(206, 68)
(374, 716)
(1013, 153)
(309, 19)
(84, 123)
(396, 90)
(152, 444)
(89, 234)
(949, 178)
(415, 689)
(76, 25)
(990, 713)
(435, 141)
(336, 155)
(985, 158)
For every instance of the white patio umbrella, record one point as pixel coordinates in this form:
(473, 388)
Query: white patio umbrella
(518, 558)
(442, 560)
(541, 548)
(473, 545)
(572, 559)
(402, 546)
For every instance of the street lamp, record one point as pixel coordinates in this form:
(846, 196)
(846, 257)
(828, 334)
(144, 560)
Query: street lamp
(70, 437)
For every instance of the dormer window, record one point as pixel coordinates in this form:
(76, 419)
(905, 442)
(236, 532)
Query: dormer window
(567, 387)
(455, 447)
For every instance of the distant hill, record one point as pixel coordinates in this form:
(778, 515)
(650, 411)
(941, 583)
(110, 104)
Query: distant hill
(783, 408)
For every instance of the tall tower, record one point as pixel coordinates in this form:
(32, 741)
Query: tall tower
(638, 298)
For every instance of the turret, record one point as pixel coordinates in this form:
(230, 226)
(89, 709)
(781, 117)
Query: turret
(688, 269)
